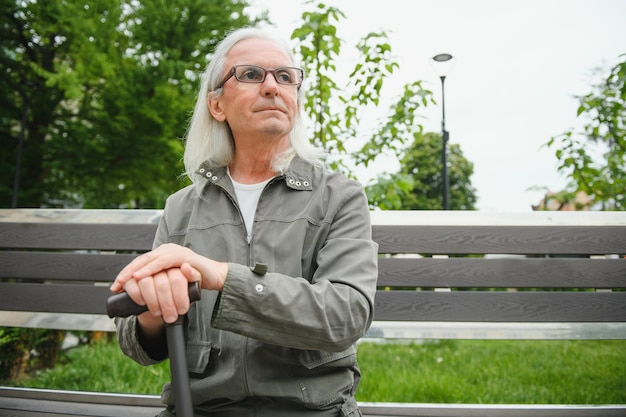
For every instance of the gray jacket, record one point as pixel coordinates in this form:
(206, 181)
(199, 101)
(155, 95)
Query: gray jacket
(297, 296)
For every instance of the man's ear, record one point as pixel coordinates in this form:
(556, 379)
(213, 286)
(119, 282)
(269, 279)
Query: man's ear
(213, 102)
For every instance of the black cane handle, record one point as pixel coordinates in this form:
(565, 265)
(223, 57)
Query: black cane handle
(121, 305)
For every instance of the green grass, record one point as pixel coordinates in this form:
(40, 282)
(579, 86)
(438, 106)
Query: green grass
(493, 371)
(99, 366)
(450, 371)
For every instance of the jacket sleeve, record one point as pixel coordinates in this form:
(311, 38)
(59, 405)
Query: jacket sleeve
(331, 312)
(128, 333)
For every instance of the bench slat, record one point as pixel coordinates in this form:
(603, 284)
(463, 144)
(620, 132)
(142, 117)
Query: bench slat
(399, 272)
(487, 410)
(77, 236)
(502, 273)
(501, 306)
(530, 240)
(62, 265)
(537, 240)
(35, 407)
(64, 298)
(38, 402)
(461, 306)
(32, 402)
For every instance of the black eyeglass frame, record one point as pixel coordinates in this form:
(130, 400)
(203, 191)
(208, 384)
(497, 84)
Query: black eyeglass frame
(233, 73)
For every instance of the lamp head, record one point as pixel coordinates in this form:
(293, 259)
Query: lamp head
(442, 57)
(442, 64)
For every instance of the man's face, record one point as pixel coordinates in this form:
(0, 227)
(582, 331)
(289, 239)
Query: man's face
(265, 109)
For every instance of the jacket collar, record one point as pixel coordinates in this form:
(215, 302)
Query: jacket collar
(297, 176)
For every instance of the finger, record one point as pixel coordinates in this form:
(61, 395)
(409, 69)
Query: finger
(163, 288)
(180, 290)
(134, 292)
(149, 294)
(126, 274)
(190, 273)
(163, 258)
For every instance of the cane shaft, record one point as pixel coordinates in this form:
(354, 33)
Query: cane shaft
(178, 368)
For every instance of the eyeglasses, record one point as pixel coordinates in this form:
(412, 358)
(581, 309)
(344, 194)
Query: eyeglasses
(255, 75)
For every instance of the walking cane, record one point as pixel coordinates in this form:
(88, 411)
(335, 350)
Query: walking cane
(121, 305)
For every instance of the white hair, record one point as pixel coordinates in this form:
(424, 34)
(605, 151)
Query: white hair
(212, 140)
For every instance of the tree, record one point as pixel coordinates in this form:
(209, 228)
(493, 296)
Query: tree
(419, 183)
(594, 159)
(337, 109)
(97, 95)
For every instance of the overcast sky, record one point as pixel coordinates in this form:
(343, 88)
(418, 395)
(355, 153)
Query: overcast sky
(518, 67)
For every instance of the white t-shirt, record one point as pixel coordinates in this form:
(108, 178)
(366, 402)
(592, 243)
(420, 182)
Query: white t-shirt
(248, 197)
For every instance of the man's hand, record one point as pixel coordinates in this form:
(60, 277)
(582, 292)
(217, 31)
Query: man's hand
(159, 279)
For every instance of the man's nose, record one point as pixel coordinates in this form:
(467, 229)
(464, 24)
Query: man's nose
(270, 85)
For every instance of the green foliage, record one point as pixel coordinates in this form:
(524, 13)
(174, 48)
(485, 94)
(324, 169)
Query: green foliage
(388, 191)
(419, 183)
(594, 159)
(27, 348)
(337, 108)
(95, 97)
(337, 111)
(98, 94)
(319, 46)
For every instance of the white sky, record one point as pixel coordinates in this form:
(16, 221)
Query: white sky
(518, 66)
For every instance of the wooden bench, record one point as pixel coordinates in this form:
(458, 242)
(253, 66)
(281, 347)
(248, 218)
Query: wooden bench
(56, 267)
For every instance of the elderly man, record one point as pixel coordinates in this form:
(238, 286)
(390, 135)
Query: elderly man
(281, 247)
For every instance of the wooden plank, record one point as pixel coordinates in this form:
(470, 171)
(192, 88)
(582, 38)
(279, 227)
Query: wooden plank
(462, 306)
(420, 330)
(17, 407)
(22, 403)
(380, 329)
(40, 403)
(106, 216)
(378, 217)
(502, 273)
(489, 410)
(501, 306)
(45, 408)
(77, 236)
(90, 397)
(57, 321)
(529, 240)
(63, 298)
(68, 266)
(487, 218)
(401, 272)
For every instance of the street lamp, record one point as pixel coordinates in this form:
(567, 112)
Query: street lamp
(443, 66)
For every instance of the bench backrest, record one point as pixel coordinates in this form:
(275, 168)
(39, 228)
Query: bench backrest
(442, 273)
(517, 275)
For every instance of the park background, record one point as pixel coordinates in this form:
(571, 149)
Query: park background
(519, 67)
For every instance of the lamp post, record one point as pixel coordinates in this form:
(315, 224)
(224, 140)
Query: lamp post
(443, 65)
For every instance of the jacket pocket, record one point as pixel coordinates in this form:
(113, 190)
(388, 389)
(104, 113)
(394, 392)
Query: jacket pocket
(325, 378)
(198, 353)
(314, 358)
